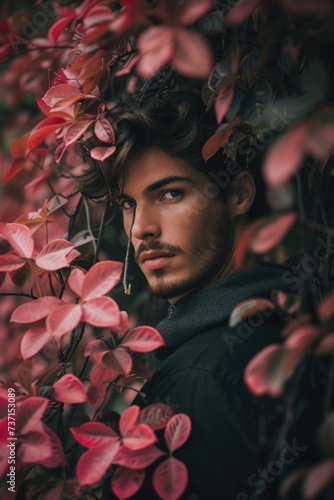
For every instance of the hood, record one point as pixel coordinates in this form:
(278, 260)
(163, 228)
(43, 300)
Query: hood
(211, 305)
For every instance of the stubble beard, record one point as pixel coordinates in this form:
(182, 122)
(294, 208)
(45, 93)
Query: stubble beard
(213, 253)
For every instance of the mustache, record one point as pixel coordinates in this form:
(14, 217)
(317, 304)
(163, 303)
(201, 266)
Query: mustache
(156, 245)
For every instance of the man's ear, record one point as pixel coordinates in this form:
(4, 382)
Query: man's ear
(241, 194)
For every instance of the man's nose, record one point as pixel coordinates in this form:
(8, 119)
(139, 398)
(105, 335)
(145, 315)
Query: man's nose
(145, 225)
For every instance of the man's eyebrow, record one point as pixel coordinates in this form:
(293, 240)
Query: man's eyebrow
(161, 183)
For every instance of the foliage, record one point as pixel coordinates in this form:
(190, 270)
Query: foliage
(266, 69)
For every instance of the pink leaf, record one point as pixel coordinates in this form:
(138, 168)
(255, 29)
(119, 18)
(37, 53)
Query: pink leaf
(104, 131)
(35, 448)
(247, 308)
(101, 278)
(69, 389)
(100, 153)
(326, 345)
(170, 479)
(60, 92)
(29, 414)
(95, 346)
(96, 394)
(128, 419)
(318, 478)
(177, 431)
(77, 130)
(303, 337)
(285, 156)
(242, 10)
(192, 54)
(194, 10)
(102, 311)
(223, 102)
(118, 362)
(143, 339)
(43, 131)
(10, 262)
(35, 310)
(156, 48)
(156, 415)
(76, 279)
(33, 340)
(139, 437)
(126, 482)
(19, 237)
(94, 463)
(57, 456)
(272, 232)
(58, 27)
(94, 434)
(137, 459)
(63, 320)
(53, 255)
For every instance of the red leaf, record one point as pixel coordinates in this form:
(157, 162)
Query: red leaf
(143, 339)
(242, 10)
(139, 437)
(35, 448)
(192, 54)
(102, 311)
(94, 463)
(126, 482)
(15, 168)
(43, 130)
(63, 320)
(272, 233)
(156, 415)
(58, 27)
(95, 434)
(58, 93)
(137, 459)
(10, 262)
(318, 478)
(104, 131)
(28, 313)
(326, 307)
(69, 389)
(247, 308)
(170, 479)
(223, 102)
(193, 10)
(285, 156)
(95, 346)
(96, 394)
(29, 414)
(100, 153)
(156, 48)
(19, 237)
(118, 362)
(53, 255)
(33, 340)
(128, 419)
(18, 146)
(101, 278)
(303, 337)
(57, 456)
(177, 431)
(77, 130)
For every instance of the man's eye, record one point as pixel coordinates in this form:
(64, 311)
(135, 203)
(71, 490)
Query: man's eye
(172, 194)
(127, 204)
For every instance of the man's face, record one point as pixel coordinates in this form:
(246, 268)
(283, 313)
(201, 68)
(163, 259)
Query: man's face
(181, 237)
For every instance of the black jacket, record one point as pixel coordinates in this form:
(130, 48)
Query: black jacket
(201, 374)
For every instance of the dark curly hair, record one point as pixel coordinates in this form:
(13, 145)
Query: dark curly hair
(178, 124)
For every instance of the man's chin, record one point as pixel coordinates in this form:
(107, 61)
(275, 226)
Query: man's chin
(172, 290)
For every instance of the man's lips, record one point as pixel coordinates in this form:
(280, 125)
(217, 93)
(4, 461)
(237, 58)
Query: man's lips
(155, 259)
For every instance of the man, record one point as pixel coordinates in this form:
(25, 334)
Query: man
(184, 223)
